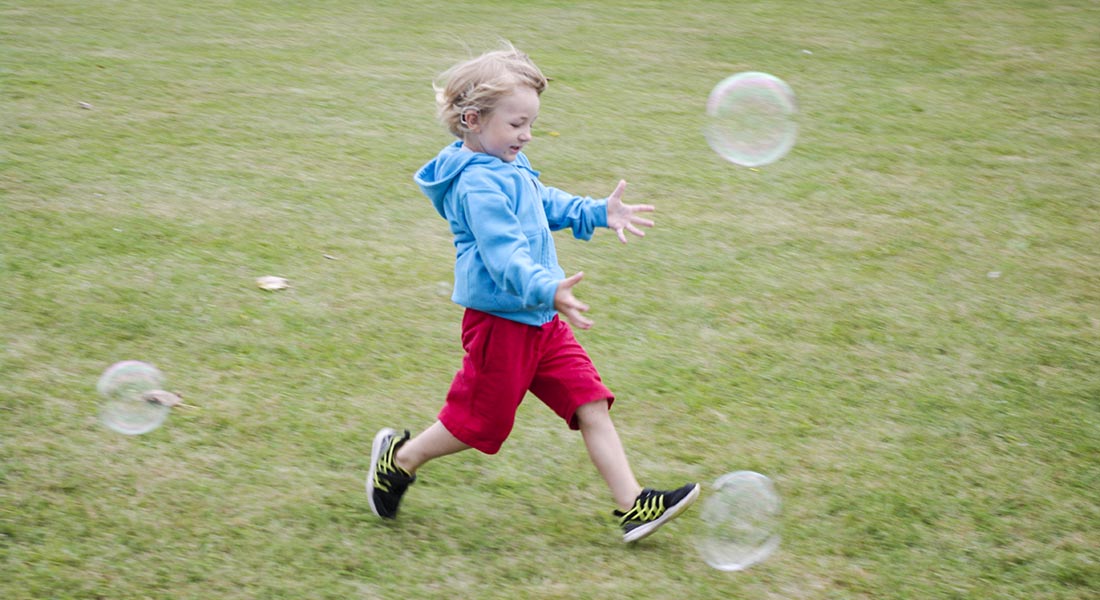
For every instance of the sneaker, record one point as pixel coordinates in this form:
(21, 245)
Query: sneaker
(386, 482)
(653, 508)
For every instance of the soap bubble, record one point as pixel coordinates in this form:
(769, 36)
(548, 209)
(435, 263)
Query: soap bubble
(740, 521)
(129, 407)
(750, 119)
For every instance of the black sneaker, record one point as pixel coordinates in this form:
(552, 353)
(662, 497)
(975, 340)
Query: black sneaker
(386, 482)
(653, 508)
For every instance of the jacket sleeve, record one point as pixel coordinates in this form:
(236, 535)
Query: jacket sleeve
(563, 210)
(502, 244)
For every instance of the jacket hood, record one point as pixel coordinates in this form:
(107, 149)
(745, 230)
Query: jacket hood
(436, 177)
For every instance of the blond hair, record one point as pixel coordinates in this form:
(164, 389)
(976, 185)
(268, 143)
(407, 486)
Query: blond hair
(479, 84)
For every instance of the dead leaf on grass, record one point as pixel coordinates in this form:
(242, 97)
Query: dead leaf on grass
(272, 283)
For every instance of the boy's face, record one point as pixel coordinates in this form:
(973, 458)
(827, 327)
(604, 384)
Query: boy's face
(506, 130)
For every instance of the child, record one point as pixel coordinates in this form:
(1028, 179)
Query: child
(507, 276)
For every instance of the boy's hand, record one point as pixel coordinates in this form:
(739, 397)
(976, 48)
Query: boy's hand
(568, 305)
(622, 217)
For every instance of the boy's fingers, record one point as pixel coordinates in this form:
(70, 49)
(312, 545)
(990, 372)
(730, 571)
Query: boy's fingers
(619, 189)
(570, 307)
(632, 229)
(576, 320)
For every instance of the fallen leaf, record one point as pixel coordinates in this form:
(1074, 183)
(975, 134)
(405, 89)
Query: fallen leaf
(272, 283)
(162, 397)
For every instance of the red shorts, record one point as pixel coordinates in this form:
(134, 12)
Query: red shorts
(504, 359)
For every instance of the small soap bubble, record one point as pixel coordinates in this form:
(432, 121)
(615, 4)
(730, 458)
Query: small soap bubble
(129, 407)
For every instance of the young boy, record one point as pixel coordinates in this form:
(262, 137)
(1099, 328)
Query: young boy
(508, 278)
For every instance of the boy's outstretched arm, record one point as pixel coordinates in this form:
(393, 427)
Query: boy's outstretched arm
(624, 217)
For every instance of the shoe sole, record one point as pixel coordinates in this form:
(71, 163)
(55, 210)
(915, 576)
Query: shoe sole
(674, 511)
(375, 454)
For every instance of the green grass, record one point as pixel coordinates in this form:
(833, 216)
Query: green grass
(899, 322)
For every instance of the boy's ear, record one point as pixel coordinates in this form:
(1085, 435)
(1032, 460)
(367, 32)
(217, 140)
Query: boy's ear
(471, 119)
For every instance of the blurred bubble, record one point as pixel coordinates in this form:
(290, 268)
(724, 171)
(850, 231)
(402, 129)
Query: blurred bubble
(750, 119)
(129, 408)
(740, 521)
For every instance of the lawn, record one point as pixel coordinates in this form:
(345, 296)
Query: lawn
(899, 322)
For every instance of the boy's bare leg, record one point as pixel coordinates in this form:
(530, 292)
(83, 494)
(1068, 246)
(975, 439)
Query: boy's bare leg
(606, 451)
(433, 442)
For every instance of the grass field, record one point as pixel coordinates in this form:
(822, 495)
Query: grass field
(899, 322)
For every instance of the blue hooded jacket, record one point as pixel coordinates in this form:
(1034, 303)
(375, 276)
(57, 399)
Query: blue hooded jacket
(501, 216)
